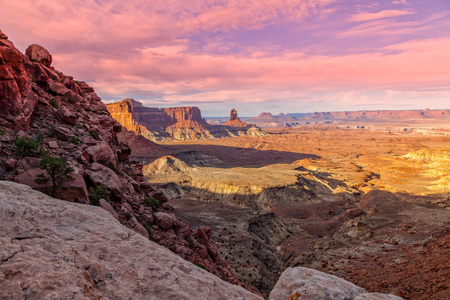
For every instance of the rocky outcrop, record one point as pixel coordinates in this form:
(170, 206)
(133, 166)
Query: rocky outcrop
(43, 111)
(52, 249)
(174, 123)
(234, 120)
(303, 283)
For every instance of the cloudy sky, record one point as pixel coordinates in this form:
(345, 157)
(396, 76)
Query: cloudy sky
(254, 55)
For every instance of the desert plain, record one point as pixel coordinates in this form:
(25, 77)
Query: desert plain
(367, 203)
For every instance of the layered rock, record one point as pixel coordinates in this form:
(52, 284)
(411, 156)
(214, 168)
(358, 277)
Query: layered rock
(234, 120)
(52, 249)
(43, 111)
(175, 123)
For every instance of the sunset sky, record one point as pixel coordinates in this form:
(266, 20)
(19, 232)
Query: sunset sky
(257, 56)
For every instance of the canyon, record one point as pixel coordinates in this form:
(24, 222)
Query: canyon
(227, 211)
(175, 123)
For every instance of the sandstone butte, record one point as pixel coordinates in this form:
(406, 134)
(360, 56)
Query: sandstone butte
(234, 120)
(53, 249)
(175, 123)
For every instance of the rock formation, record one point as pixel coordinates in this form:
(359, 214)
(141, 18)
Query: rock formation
(175, 123)
(303, 283)
(44, 112)
(53, 249)
(234, 120)
(392, 116)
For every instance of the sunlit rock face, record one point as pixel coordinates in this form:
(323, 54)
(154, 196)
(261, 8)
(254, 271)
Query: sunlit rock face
(175, 123)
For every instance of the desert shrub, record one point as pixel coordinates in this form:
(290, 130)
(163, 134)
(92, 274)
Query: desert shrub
(51, 131)
(54, 103)
(112, 166)
(29, 147)
(201, 266)
(2, 131)
(149, 230)
(100, 192)
(58, 171)
(94, 134)
(153, 203)
(128, 215)
(73, 139)
(190, 242)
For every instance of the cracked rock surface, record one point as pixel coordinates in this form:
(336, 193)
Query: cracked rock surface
(53, 249)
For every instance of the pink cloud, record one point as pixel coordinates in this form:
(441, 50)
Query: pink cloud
(390, 13)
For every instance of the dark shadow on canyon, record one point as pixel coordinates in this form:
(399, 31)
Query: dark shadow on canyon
(232, 157)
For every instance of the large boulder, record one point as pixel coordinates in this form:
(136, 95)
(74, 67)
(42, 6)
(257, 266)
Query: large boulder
(39, 54)
(100, 174)
(102, 153)
(308, 284)
(53, 249)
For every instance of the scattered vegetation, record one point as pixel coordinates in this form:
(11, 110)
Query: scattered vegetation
(2, 131)
(153, 203)
(201, 266)
(51, 131)
(57, 169)
(73, 139)
(128, 215)
(100, 192)
(29, 147)
(94, 134)
(112, 166)
(190, 242)
(149, 230)
(54, 103)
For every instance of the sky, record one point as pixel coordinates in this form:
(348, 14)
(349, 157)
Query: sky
(290, 56)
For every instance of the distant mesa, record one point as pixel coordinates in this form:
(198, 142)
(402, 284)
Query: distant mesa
(234, 120)
(175, 123)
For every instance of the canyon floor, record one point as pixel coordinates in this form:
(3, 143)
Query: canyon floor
(369, 205)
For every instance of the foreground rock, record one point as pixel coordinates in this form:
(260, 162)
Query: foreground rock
(52, 249)
(303, 283)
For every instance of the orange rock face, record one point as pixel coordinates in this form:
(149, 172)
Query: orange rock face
(174, 123)
(234, 120)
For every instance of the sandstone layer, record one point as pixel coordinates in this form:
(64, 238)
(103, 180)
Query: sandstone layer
(176, 123)
(52, 249)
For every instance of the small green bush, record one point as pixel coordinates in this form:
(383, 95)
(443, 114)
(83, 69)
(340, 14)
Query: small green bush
(51, 131)
(2, 131)
(149, 230)
(58, 171)
(100, 192)
(54, 103)
(94, 134)
(153, 203)
(128, 215)
(112, 166)
(73, 139)
(29, 147)
(201, 266)
(190, 242)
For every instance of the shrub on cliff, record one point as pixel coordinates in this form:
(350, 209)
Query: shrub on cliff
(58, 170)
(29, 147)
(100, 192)
(153, 203)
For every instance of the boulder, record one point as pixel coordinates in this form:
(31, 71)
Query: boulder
(58, 249)
(303, 283)
(39, 54)
(57, 87)
(100, 174)
(66, 116)
(165, 221)
(102, 153)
